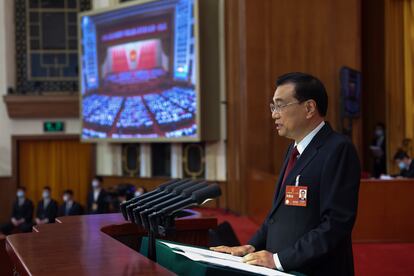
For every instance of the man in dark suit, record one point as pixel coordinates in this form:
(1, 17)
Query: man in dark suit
(405, 163)
(69, 206)
(311, 236)
(97, 198)
(378, 151)
(47, 208)
(22, 214)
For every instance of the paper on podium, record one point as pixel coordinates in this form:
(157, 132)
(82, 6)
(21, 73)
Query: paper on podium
(217, 258)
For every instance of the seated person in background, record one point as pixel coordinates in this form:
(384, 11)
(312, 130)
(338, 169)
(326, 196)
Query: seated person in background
(69, 206)
(97, 198)
(46, 208)
(22, 214)
(122, 192)
(139, 191)
(405, 163)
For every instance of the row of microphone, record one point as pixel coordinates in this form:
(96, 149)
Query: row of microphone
(159, 206)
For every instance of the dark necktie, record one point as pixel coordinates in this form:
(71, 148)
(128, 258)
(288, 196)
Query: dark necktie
(292, 160)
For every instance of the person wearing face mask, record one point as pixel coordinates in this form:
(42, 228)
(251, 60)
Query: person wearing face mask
(97, 198)
(405, 163)
(46, 208)
(69, 206)
(378, 150)
(22, 214)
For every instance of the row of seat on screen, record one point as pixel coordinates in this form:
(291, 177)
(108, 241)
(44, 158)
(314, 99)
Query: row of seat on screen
(168, 107)
(99, 201)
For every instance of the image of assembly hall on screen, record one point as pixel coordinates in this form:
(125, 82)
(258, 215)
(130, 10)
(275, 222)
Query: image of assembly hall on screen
(139, 76)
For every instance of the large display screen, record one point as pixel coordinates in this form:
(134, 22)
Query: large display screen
(139, 72)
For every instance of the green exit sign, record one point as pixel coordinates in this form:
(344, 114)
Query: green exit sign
(53, 126)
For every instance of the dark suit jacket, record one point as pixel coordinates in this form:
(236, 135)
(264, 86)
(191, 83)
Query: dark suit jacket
(409, 172)
(103, 206)
(24, 211)
(316, 240)
(49, 212)
(75, 210)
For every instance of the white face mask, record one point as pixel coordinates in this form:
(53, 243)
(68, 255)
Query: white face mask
(65, 198)
(45, 194)
(20, 194)
(95, 183)
(137, 193)
(402, 165)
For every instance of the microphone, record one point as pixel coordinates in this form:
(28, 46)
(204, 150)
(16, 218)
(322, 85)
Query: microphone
(172, 195)
(184, 194)
(198, 197)
(160, 188)
(166, 191)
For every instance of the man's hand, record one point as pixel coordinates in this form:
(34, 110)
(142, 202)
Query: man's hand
(235, 250)
(14, 222)
(261, 258)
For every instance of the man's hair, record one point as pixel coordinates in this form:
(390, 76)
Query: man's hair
(21, 188)
(99, 178)
(47, 188)
(307, 87)
(400, 154)
(68, 191)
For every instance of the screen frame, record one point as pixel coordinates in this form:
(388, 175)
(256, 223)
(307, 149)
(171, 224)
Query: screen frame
(198, 113)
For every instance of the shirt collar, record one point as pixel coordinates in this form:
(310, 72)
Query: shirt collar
(301, 146)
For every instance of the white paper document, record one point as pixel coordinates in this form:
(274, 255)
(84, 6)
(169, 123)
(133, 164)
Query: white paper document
(217, 258)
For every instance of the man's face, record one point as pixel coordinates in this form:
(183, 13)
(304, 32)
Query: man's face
(291, 119)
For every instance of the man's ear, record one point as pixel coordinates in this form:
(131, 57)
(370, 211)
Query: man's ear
(311, 109)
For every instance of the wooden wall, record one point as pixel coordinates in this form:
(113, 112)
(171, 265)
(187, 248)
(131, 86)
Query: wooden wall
(265, 39)
(7, 196)
(394, 78)
(384, 211)
(373, 73)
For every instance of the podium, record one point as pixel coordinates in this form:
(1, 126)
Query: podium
(95, 245)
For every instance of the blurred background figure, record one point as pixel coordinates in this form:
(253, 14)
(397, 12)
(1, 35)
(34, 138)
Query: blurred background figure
(139, 191)
(97, 198)
(120, 193)
(69, 206)
(47, 208)
(405, 163)
(378, 150)
(22, 214)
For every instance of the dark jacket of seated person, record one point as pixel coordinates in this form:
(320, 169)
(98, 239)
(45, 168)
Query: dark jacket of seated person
(69, 206)
(47, 209)
(21, 217)
(405, 163)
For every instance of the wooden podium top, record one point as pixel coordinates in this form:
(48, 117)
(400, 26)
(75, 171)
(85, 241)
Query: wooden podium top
(77, 245)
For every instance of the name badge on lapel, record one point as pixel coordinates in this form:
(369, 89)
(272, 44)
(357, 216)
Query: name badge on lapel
(296, 195)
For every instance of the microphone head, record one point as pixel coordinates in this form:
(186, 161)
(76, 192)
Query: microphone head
(189, 191)
(211, 191)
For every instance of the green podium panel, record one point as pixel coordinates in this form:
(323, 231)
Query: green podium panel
(181, 265)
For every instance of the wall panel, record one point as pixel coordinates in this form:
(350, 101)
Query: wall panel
(7, 196)
(265, 39)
